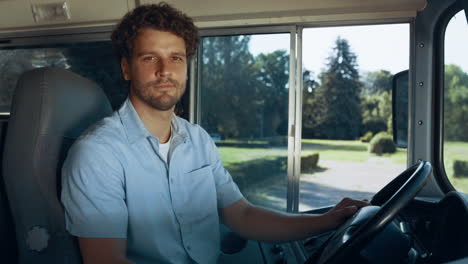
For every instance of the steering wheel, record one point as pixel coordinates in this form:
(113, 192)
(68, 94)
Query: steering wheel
(352, 236)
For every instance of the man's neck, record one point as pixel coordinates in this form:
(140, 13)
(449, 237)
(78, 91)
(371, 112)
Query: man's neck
(157, 122)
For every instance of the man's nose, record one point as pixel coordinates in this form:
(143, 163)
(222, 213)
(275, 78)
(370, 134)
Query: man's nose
(163, 68)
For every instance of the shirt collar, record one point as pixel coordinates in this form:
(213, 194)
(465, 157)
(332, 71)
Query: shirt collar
(134, 127)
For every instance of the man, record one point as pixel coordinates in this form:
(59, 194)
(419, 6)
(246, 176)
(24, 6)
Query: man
(144, 186)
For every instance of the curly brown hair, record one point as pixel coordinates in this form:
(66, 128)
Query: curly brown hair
(160, 16)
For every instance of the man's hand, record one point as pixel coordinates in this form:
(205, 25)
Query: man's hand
(344, 209)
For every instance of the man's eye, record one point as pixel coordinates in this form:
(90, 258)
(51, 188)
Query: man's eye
(149, 58)
(177, 58)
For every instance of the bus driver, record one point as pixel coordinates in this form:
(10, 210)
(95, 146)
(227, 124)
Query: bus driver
(145, 186)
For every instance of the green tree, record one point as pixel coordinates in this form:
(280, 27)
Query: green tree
(372, 118)
(273, 74)
(376, 82)
(228, 79)
(377, 112)
(309, 111)
(336, 111)
(456, 104)
(243, 96)
(376, 102)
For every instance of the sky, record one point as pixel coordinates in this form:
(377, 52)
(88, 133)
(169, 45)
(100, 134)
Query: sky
(377, 46)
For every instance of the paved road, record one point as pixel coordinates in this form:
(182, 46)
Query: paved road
(359, 180)
(335, 179)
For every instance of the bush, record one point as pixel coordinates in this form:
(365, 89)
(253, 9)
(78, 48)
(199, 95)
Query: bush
(309, 162)
(251, 172)
(382, 143)
(460, 168)
(367, 137)
(374, 125)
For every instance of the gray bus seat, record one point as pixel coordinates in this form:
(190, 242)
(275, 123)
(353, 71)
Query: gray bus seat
(50, 109)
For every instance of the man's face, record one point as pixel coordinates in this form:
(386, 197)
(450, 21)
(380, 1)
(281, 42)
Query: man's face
(157, 70)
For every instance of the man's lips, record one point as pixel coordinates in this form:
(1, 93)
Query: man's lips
(164, 86)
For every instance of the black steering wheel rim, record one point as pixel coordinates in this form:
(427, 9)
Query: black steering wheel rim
(391, 199)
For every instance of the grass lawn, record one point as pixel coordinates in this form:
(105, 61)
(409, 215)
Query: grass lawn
(456, 150)
(337, 150)
(346, 150)
(460, 184)
(230, 155)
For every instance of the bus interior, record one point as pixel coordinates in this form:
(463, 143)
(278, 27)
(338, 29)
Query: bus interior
(307, 102)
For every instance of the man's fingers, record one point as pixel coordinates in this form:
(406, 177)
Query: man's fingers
(350, 210)
(361, 203)
(346, 202)
(345, 212)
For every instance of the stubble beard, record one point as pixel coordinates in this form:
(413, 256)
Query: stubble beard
(162, 101)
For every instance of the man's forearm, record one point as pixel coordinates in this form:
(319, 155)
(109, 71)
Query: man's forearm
(267, 225)
(272, 226)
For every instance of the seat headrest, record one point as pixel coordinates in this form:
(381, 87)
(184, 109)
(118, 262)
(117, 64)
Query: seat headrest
(58, 101)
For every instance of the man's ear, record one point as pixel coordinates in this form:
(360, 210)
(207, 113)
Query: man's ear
(125, 67)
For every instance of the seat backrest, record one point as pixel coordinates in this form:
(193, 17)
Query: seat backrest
(50, 109)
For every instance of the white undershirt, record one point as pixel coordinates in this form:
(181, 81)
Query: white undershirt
(164, 148)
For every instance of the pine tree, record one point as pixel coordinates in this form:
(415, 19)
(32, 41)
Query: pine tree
(335, 111)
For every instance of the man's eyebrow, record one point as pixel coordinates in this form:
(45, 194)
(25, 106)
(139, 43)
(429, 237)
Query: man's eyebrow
(179, 53)
(142, 53)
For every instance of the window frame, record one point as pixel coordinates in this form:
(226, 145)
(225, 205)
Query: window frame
(425, 83)
(439, 92)
(411, 25)
(295, 97)
(292, 192)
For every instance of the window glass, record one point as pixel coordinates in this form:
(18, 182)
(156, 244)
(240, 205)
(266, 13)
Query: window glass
(243, 105)
(347, 147)
(93, 60)
(455, 151)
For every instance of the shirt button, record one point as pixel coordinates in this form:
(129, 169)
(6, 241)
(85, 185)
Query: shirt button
(172, 181)
(189, 248)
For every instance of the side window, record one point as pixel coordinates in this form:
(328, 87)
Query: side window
(455, 145)
(93, 60)
(243, 105)
(347, 147)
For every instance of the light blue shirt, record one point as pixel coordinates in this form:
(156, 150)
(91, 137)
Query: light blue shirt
(116, 185)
